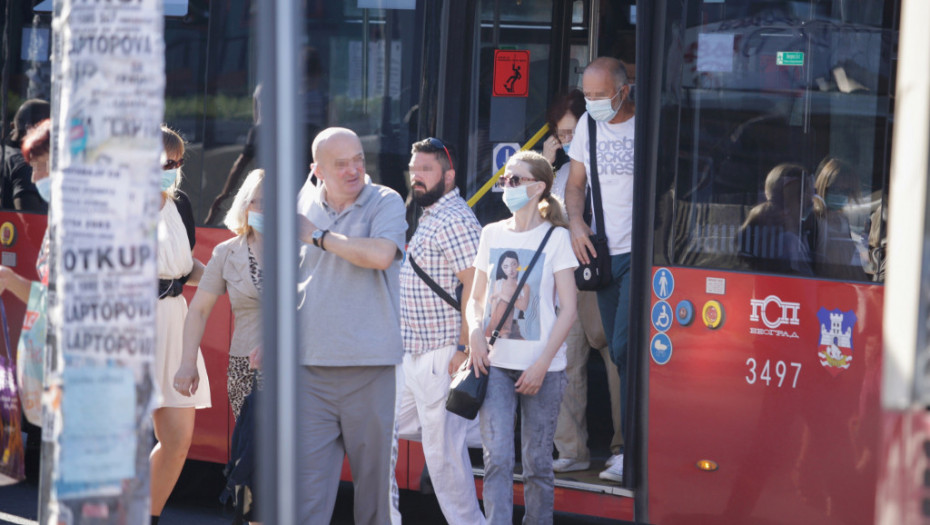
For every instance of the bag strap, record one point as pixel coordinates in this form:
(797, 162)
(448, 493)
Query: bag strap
(6, 332)
(598, 209)
(497, 331)
(434, 285)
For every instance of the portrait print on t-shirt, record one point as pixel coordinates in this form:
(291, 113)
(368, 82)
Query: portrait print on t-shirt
(506, 268)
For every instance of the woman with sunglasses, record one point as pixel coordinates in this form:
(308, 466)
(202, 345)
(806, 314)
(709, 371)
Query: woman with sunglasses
(174, 417)
(530, 370)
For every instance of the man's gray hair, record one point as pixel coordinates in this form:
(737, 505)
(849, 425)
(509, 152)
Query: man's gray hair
(612, 66)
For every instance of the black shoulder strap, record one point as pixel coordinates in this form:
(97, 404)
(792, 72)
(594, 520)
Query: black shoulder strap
(497, 330)
(432, 284)
(183, 202)
(598, 210)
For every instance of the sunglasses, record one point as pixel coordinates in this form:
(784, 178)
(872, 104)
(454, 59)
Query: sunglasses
(513, 180)
(173, 164)
(436, 143)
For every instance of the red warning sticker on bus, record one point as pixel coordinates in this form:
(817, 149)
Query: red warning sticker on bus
(511, 73)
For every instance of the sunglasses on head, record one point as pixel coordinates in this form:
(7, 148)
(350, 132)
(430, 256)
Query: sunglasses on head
(438, 144)
(173, 164)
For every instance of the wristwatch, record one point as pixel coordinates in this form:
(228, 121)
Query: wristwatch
(317, 237)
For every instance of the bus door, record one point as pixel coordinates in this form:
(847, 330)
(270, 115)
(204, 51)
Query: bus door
(766, 133)
(523, 55)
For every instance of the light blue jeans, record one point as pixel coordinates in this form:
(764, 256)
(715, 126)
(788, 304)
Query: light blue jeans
(539, 415)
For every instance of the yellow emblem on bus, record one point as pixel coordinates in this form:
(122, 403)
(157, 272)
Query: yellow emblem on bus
(7, 234)
(712, 314)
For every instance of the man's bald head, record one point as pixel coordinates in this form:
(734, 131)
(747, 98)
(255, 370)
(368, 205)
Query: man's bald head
(610, 66)
(334, 134)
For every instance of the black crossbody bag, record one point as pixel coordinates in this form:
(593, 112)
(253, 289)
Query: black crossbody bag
(454, 302)
(596, 274)
(466, 393)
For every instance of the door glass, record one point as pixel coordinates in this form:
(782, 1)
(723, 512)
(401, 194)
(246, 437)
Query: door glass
(775, 135)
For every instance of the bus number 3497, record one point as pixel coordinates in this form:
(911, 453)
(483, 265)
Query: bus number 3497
(781, 372)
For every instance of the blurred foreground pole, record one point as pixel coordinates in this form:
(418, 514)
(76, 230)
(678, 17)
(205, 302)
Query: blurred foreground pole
(108, 103)
(280, 33)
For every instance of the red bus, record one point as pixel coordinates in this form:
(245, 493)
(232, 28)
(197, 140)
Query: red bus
(762, 162)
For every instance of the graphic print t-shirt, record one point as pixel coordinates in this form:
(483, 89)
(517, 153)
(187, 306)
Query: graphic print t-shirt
(503, 255)
(615, 173)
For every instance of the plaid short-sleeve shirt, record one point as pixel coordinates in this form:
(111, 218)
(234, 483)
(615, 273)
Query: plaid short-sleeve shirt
(444, 244)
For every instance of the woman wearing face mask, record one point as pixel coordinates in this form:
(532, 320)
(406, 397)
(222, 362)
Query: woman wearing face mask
(174, 417)
(836, 253)
(562, 118)
(35, 148)
(234, 267)
(529, 370)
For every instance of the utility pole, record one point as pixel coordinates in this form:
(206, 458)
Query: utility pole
(108, 103)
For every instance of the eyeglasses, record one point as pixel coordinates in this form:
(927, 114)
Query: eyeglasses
(565, 135)
(173, 164)
(438, 144)
(513, 180)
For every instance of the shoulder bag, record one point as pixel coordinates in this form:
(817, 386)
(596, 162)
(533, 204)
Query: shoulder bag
(596, 274)
(466, 392)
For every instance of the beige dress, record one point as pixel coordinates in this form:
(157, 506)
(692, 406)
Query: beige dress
(174, 261)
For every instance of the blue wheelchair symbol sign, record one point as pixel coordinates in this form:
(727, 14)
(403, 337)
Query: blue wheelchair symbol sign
(661, 349)
(662, 316)
(503, 154)
(663, 283)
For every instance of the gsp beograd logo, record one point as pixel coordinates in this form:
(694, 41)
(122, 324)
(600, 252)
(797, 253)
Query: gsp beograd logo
(775, 314)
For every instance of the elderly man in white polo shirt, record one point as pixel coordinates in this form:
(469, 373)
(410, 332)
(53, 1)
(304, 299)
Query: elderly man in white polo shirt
(350, 342)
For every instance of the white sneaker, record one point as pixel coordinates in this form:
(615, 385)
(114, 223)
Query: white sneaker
(613, 472)
(569, 465)
(613, 459)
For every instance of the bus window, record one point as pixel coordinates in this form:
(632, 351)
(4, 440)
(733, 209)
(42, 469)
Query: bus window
(780, 117)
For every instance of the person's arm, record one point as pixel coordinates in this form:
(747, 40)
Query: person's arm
(466, 276)
(523, 300)
(187, 379)
(574, 205)
(532, 378)
(16, 284)
(475, 314)
(193, 278)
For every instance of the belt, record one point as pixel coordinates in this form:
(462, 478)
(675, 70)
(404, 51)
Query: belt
(171, 287)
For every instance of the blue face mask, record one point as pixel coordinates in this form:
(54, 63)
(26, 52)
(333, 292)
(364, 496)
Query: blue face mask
(44, 187)
(602, 110)
(836, 202)
(566, 146)
(256, 221)
(168, 178)
(515, 198)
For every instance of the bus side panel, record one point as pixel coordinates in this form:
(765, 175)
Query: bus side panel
(792, 424)
(28, 230)
(213, 426)
(904, 488)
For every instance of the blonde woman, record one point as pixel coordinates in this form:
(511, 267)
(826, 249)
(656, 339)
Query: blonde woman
(529, 371)
(174, 417)
(235, 267)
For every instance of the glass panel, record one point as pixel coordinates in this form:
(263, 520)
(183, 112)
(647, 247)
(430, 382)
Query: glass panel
(776, 133)
(524, 12)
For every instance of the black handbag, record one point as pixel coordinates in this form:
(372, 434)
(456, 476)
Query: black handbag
(466, 392)
(597, 273)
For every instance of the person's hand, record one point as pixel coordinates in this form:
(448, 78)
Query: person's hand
(187, 379)
(305, 229)
(255, 358)
(581, 240)
(6, 275)
(531, 380)
(550, 148)
(456, 362)
(479, 353)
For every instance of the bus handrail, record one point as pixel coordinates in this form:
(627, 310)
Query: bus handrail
(493, 180)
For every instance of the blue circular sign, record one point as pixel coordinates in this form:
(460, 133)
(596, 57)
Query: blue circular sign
(662, 316)
(661, 349)
(684, 312)
(503, 154)
(663, 283)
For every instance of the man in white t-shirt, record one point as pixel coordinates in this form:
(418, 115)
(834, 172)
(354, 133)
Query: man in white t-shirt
(606, 90)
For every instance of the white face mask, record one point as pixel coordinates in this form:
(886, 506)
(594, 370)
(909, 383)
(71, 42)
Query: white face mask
(602, 110)
(44, 187)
